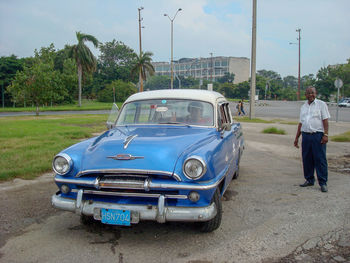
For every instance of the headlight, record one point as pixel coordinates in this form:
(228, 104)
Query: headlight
(194, 168)
(62, 164)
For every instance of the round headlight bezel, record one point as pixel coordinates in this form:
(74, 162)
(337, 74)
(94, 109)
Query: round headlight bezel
(196, 159)
(69, 162)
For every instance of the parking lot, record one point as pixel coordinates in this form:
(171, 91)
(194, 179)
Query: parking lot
(267, 216)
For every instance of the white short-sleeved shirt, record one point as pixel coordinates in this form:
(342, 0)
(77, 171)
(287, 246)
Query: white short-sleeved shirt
(311, 116)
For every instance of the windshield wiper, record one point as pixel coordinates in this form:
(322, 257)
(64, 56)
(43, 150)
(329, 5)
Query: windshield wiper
(174, 122)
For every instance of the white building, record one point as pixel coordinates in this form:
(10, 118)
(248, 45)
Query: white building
(207, 68)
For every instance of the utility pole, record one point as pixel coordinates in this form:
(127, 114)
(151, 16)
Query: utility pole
(253, 66)
(298, 94)
(211, 70)
(140, 75)
(172, 43)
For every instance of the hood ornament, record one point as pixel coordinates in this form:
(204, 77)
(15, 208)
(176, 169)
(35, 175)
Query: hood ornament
(125, 157)
(128, 140)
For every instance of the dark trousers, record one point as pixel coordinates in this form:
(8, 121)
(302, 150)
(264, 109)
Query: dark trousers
(314, 157)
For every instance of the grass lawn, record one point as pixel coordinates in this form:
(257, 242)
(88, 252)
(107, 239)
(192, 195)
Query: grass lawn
(274, 130)
(85, 105)
(28, 144)
(344, 137)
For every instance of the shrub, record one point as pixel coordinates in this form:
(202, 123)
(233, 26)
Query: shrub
(274, 130)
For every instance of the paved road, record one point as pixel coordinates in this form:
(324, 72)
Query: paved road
(290, 110)
(266, 216)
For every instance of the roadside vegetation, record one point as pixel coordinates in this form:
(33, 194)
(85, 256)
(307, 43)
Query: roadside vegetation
(344, 137)
(274, 130)
(86, 105)
(28, 144)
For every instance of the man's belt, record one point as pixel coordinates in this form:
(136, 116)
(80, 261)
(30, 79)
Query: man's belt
(311, 133)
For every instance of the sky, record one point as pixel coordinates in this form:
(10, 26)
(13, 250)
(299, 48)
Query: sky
(221, 27)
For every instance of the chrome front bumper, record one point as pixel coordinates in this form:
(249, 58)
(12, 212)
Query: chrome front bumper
(159, 213)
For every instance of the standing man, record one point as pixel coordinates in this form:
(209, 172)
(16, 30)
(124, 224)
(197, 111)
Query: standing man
(313, 126)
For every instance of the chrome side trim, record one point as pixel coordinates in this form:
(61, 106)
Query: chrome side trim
(94, 192)
(130, 171)
(144, 212)
(128, 140)
(150, 184)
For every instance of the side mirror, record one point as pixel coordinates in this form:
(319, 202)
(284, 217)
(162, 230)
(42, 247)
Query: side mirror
(226, 126)
(112, 118)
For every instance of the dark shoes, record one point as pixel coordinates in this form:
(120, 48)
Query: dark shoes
(307, 183)
(324, 188)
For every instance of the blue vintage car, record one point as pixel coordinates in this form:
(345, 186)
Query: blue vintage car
(168, 155)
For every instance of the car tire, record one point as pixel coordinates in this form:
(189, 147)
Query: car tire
(86, 220)
(214, 223)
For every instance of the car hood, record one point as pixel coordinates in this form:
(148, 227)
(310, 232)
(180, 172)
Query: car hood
(150, 148)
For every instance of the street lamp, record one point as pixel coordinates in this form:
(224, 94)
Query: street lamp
(290, 43)
(140, 19)
(171, 61)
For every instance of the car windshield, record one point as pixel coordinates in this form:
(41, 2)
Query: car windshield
(167, 111)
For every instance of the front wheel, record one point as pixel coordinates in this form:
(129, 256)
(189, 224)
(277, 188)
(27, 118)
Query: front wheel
(215, 222)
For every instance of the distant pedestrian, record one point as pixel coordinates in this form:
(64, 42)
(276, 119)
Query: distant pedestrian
(313, 126)
(242, 107)
(239, 108)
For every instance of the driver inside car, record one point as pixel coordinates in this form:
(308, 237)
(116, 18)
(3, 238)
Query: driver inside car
(195, 109)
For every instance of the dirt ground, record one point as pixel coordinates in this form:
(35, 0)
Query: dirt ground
(267, 216)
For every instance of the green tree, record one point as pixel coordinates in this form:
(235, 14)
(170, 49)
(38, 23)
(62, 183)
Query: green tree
(69, 79)
(241, 90)
(143, 66)
(117, 90)
(116, 61)
(227, 78)
(8, 68)
(38, 83)
(274, 81)
(61, 56)
(343, 72)
(290, 82)
(226, 89)
(325, 83)
(158, 82)
(86, 61)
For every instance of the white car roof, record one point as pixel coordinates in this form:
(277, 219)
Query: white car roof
(191, 94)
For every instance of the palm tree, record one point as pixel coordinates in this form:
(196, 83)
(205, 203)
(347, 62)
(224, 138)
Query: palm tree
(143, 66)
(86, 61)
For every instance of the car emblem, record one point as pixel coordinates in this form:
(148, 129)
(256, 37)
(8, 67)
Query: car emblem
(125, 157)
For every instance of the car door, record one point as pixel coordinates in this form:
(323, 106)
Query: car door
(227, 131)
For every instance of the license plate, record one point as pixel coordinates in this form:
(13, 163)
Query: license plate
(115, 217)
